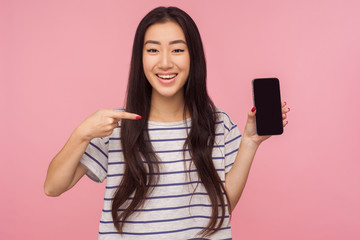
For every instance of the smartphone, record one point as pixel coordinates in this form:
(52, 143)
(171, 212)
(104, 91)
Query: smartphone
(267, 100)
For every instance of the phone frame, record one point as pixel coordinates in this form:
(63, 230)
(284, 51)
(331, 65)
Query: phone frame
(281, 129)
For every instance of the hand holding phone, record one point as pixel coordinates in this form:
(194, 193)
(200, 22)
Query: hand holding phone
(267, 100)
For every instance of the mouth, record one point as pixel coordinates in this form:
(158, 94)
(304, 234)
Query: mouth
(167, 76)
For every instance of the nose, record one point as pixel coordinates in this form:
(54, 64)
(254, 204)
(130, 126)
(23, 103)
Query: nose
(165, 61)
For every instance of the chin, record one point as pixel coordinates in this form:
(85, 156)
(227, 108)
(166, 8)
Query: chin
(167, 94)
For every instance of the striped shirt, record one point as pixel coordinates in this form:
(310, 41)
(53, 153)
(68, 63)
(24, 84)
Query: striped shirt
(172, 210)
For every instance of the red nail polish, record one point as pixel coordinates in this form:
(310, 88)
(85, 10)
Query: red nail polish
(138, 117)
(253, 109)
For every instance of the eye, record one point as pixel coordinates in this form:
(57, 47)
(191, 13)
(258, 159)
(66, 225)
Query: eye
(152, 50)
(179, 50)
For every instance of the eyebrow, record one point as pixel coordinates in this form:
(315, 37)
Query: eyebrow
(171, 42)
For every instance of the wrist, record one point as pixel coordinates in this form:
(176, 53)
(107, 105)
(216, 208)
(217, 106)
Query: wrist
(81, 135)
(249, 142)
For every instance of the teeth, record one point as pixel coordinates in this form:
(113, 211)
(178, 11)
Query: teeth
(166, 76)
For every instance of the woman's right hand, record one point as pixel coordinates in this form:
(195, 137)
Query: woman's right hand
(102, 123)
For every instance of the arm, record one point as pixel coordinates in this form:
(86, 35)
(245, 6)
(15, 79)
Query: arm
(66, 165)
(236, 178)
(65, 170)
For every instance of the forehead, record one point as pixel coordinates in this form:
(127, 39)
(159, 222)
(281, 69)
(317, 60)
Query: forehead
(164, 32)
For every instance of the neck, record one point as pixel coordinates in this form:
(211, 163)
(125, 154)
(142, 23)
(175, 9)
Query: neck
(167, 109)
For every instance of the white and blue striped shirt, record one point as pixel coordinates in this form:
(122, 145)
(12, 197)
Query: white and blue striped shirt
(173, 210)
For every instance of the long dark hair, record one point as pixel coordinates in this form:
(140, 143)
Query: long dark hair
(141, 161)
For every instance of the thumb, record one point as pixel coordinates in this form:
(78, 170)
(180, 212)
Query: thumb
(251, 114)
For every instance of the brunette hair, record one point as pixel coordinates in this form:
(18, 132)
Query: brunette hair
(141, 163)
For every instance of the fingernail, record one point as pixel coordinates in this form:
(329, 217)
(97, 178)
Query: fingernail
(253, 109)
(138, 117)
(289, 109)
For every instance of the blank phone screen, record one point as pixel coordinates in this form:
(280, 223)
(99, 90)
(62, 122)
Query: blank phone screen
(267, 101)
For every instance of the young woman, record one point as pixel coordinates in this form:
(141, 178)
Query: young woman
(174, 164)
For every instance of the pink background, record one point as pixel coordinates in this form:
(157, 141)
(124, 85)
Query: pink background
(62, 60)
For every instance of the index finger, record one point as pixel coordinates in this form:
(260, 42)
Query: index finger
(124, 115)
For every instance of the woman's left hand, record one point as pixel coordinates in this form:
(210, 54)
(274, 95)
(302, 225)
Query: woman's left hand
(250, 127)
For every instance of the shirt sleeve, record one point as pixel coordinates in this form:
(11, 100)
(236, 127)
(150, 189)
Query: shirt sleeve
(231, 143)
(95, 158)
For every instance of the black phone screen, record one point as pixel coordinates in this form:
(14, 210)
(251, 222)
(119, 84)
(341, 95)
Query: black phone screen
(267, 101)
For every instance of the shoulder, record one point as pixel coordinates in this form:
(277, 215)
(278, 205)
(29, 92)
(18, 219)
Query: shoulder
(223, 117)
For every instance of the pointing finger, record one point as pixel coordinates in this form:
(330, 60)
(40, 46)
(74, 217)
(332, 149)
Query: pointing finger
(124, 115)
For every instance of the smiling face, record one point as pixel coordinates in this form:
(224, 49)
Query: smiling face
(166, 59)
